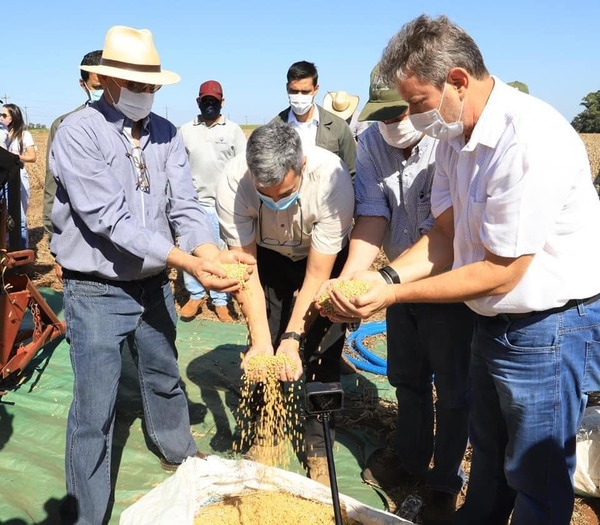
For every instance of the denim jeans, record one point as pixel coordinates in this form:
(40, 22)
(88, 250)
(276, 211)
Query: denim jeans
(25, 192)
(192, 285)
(530, 382)
(431, 344)
(103, 317)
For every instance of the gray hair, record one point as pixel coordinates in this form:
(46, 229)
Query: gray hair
(429, 48)
(271, 152)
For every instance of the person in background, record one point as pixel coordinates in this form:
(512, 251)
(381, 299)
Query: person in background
(3, 133)
(343, 105)
(427, 343)
(517, 227)
(314, 124)
(210, 141)
(93, 90)
(292, 210)
(20, 142)
(124, 194)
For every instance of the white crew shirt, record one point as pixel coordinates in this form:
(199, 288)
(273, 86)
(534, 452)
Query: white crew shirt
(320, 219)
(522, 185)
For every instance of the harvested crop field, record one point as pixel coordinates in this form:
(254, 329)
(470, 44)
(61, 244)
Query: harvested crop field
(42, 273)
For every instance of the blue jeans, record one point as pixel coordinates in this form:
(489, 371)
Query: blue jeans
(24, 199)
(530, 382)
(192, 285)
(102, 317)
(427, 344)
(25, 192)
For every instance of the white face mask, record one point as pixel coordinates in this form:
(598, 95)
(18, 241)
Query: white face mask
(433, 124)
(135, 106)
(400, 134)
(301, 104)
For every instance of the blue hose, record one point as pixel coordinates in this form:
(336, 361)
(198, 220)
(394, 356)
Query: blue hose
(369, 362)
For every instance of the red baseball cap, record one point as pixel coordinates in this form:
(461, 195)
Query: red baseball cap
(211, 88)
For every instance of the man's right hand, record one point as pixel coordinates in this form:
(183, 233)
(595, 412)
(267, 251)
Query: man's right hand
(59, 272)
(211, 274)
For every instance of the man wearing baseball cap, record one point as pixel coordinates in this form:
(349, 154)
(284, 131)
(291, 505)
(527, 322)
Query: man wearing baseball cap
(395, 164)
(124, 190)
(210, 141)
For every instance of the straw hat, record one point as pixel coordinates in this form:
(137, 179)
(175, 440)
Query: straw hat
(340, 103)
(130, 54)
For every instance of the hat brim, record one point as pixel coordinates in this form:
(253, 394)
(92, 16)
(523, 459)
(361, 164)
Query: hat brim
(161, 78)
(382, 111)
(347, 113)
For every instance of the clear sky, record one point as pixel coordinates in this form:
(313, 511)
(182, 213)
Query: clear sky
(552, 46)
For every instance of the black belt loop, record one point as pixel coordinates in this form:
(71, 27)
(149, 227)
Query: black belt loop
(580, 303)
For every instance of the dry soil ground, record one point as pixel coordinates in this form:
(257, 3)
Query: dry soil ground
(42, 272)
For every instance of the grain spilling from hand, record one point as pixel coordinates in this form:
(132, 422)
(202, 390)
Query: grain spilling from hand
(268, 418)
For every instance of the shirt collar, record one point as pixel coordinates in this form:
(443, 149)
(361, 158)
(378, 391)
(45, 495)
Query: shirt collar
(493, 119)
(199, 121)
(294, 121)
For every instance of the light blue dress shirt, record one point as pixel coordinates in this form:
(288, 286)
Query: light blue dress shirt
(105, 224)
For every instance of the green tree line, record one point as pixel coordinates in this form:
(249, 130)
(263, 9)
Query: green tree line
(588, 121)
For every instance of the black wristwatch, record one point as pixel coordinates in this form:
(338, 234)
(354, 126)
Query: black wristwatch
(292, 335)
(390, 276)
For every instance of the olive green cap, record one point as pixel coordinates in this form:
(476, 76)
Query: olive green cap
(384, 102)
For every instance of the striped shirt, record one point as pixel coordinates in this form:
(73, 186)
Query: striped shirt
(388, 185)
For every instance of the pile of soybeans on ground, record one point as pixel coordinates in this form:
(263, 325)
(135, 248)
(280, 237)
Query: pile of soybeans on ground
(276, 409)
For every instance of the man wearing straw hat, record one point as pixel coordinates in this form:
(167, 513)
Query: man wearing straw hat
(123, 186)
(344, 105)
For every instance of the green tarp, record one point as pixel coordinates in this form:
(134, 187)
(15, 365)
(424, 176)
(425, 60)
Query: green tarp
(33, 421)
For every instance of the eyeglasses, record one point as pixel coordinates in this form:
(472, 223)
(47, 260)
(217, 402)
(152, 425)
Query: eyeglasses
(137, 157)
(139, 87)
(276, 242)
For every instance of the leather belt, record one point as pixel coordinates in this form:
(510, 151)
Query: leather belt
(80, 276)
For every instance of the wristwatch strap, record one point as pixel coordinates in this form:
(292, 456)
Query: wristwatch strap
(292, 335)
(390, 275)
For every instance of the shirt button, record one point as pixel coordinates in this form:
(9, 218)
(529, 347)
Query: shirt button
(405, 231)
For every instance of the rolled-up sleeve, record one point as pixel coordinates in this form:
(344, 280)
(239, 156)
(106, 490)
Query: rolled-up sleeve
(371, 197)
(333, 227)
(236, 204)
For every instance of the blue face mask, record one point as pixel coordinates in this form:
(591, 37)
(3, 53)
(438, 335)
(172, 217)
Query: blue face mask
(95, 94)
(281, 204)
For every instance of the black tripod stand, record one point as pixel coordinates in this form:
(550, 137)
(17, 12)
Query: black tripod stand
(321, 400)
